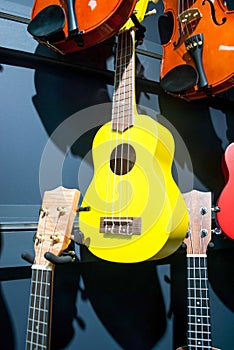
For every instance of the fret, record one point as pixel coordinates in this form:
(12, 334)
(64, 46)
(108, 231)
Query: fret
(199, 346)
(37, 346)
(195, 341)
(204, 329)
(198, 318)
(195, 293)
(41, 296)
(38, 334)
(36, 323)
(198, 307)
(40, 309)
(124, 110)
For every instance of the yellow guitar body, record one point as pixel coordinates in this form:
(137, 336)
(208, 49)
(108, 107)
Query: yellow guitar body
(146, 193)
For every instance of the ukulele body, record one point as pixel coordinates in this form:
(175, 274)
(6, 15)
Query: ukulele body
(147, 193)
(225, 202)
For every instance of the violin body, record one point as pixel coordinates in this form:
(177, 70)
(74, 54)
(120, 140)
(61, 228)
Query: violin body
(225, 202)
(86, 23)
(198, 53)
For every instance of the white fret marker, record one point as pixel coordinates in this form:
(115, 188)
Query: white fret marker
(198, 303)
(198, 320)
(199, 342)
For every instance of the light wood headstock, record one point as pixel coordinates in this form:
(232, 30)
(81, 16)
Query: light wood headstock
(199, 235)
(55, 224)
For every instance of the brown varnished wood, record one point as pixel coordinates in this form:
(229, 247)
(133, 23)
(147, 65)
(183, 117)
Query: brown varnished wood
(99, 20)
(218, 53)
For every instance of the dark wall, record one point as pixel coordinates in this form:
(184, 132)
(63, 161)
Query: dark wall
(51, 108)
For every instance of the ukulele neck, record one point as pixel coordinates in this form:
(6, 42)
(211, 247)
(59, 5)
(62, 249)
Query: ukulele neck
(38, 330)
(197, 240)
(199, 327)
(124, 87)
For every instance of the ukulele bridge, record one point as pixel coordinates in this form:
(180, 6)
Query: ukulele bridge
(120, 225)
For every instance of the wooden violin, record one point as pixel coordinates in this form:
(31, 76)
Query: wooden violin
(68, 26)
(198, 48)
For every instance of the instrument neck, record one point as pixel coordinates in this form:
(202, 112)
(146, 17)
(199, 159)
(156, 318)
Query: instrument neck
(38, 330)
(124, 87)
(199, 327)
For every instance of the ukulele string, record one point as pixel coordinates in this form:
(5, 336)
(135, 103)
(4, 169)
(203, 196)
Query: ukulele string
(191, 300)
(125, 80)
(38, 283)
(131, 90)
(47, 277)
(119, 72)
(203, 280)
(110, 193)
(122, 101)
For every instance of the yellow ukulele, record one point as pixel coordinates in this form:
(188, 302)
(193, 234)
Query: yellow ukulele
(136, 209)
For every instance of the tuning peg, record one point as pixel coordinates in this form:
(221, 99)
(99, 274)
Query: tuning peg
(215, 209)
(150, 13)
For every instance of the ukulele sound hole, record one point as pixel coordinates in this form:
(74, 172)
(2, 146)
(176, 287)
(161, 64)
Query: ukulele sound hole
(122, 159)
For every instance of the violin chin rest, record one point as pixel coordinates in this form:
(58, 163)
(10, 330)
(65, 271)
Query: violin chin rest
(48, 24)
(181, 78)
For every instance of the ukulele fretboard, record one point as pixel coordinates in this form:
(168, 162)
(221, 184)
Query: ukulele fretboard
(123, 98)
(199, 328)
(39, 308)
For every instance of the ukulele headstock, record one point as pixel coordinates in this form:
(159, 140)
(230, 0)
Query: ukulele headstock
(55, 224)
(199, 233)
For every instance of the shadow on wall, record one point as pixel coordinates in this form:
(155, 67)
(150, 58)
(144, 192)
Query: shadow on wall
(7, 333)
(128, 300)
(194, 123)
